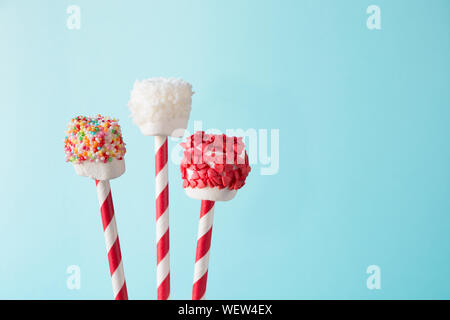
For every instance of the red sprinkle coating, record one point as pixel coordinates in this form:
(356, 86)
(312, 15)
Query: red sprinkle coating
(214, 161)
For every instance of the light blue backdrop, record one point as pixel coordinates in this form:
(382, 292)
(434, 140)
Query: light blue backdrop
(364, 145)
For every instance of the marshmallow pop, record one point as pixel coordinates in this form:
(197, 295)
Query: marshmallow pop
(160, 107)
(213, 168)
(96, 150)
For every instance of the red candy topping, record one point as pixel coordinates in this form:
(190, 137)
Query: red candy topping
(214, 161)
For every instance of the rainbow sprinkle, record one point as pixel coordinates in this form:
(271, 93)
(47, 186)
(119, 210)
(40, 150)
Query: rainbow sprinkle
(93, 139)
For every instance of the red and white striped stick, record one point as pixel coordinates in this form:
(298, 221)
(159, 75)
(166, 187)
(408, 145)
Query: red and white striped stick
(112, 240)
(203, 246)
(162, 218)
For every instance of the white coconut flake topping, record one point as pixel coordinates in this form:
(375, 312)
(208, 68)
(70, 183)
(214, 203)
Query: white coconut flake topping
(158, 100)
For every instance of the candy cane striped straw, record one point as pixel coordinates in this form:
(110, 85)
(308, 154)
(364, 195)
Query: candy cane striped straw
(112, 240)
(203, 246)
(162, 218)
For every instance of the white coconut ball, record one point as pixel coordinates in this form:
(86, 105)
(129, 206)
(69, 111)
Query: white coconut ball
(161, 106)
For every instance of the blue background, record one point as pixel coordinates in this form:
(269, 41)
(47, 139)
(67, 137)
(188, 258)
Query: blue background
(364, 155)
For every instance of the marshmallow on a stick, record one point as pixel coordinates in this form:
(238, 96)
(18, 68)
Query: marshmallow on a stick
(214, 168)
(95, 147)
(161, 107)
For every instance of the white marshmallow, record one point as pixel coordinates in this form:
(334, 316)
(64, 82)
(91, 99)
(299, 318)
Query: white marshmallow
(99, 170)
(211, 194)
(161, 106)
(172, 128)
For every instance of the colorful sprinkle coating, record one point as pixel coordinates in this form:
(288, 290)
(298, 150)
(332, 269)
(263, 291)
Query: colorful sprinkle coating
(93, 139)
(214, 161)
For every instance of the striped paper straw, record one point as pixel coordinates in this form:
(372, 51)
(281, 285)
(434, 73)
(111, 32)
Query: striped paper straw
(162, 218)
(203, 246)
(112, 240)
